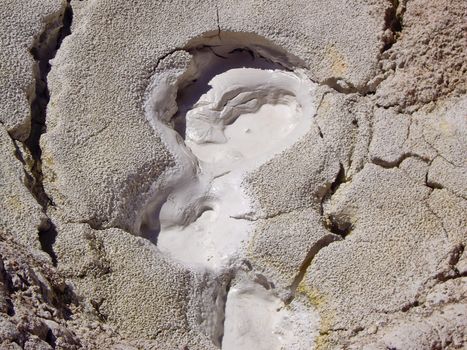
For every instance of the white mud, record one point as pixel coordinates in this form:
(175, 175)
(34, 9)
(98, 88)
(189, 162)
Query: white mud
(246, 117)
(256, 319)
(238, 112)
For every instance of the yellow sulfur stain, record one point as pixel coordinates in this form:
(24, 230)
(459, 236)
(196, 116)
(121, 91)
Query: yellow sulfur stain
(446, 128)
(47, 166)
(325, 105)
(312, 295)
(48, 161)
(318, 300)
(339, 65)
(14, 202)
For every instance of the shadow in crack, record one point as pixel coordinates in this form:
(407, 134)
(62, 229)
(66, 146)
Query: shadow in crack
(47, 239)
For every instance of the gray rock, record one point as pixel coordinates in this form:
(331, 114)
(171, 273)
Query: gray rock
(20, 214)
(19, 32)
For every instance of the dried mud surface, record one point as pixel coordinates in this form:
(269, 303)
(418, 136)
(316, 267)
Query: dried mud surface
(146, 206)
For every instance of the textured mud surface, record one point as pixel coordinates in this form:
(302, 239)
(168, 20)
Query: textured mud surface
(235, 175)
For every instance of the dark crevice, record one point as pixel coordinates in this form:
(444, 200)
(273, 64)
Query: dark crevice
(338, 226)
(29, 180)
(448, 274)
(51, 339)
(150, 225)
(338, 181)
(320, 132)
(434, 185)
(218, 22)
(452, 272)
(65, 298)
(396, 163)
(393, 20)
(97, 306)
(101, 266)
(10, 308)
(320, 244)
(356, 330)
(47, 237)
(431, 184)
(43, 50)
(263, 281)
(150, 73)
(18, 153)
(456, 254)
(409, 306)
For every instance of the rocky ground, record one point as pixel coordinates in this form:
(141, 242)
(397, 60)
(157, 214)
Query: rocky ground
(354, 234)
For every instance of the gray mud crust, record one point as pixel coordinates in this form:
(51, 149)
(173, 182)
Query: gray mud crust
(350, 236)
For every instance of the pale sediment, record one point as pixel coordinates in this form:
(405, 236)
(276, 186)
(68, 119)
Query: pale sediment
(210, 174)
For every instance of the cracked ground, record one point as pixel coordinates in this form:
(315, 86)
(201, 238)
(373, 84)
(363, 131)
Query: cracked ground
(349, 232)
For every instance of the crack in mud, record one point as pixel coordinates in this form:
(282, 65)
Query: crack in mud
(393, 20)
(335, 224)
(44, 49)
(314, 250)
(218, 22)
(396, 163)
(47, 237)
